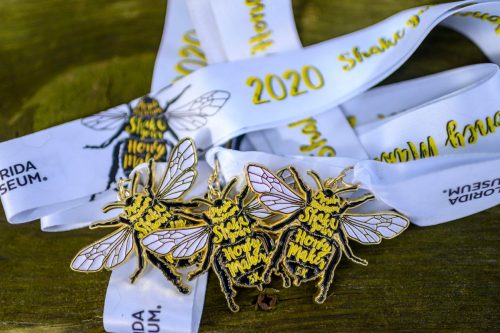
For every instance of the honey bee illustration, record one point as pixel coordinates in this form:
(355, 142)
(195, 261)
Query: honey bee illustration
(151, 128)
(314, 232)
(146, 209)
(237, 253)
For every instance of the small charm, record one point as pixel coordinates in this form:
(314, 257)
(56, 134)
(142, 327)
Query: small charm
(145, 209)
(237, 253)
(313, 233)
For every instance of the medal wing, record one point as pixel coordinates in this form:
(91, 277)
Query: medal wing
(255, 209)
(181, 242)
(180, 173)
(273, 192)
(106, 120)
(370, 229)
(287, 177)
(194, 114)
(107, 252)
(121, 251)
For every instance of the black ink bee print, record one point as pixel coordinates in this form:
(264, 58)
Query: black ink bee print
(150, 128)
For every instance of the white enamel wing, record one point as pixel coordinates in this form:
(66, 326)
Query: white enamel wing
(371, 228)
(255, 209)
(181, 242)
(273, 192)
(277, 195)
(187, 117)
(180, 173)
(194, 114)
(105, 253)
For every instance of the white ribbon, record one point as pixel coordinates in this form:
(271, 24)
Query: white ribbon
(73, 173)
(235, 30)
(428, 191)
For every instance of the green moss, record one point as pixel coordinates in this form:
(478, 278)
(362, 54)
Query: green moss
(87, 89)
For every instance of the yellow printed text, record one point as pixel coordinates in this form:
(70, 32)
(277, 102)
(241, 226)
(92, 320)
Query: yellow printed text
(243, 257)
(261, 41)
(493, 19)
(308, 249)
(470, 133)
(411, 152)
(316, 141)
(231, 230)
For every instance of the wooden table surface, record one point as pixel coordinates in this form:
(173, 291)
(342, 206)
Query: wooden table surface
(61, 60)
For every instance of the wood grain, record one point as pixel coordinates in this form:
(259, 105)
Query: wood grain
(61, 60)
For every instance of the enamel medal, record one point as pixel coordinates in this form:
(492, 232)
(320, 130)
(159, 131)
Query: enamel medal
(316, 224)
(146, 208)
(236, 252)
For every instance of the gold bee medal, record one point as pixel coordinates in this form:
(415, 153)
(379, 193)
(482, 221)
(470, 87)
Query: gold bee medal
(146, 207)
(225, 235)
(316, 224)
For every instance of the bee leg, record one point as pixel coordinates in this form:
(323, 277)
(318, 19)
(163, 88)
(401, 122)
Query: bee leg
(107, 223)
(277, 255)
(225, 283)
(348, 251)
(268, 244)
(116, 164)
(287, 282)
(108, 141)
(168, 272)
(151, 176)
(266, 239)
(327, 278)
(140, 259)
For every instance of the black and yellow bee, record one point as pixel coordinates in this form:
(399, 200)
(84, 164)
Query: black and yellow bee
(150, 128)
(237, 253)
(148, 206)
(317, 224)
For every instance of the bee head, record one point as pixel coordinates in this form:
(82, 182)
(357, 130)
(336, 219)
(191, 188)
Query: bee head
(218, 203)
(221, 210)
(327, 197)
(147, 106)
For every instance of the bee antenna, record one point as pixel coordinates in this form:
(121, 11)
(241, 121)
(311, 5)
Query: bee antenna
(229, 187)
(316, 178)
(329, 183)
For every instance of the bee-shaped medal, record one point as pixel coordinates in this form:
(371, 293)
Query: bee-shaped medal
(145, 209)
(237, 253)
(314, 232)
